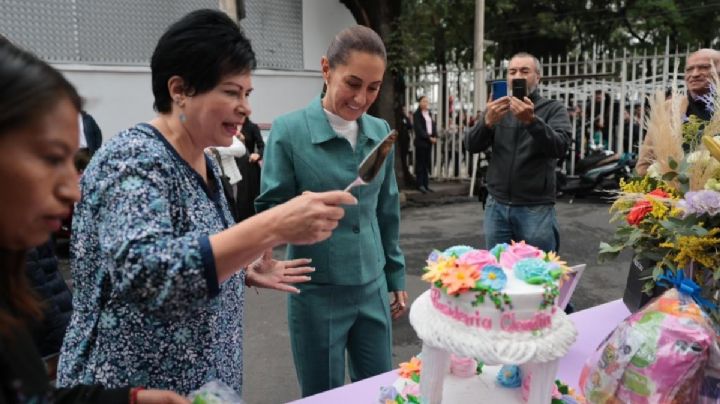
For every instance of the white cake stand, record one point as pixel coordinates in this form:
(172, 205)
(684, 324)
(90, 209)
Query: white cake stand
(442, 335)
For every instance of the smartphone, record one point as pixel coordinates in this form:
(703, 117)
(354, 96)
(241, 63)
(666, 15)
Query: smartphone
(499, 89)
(519, 88)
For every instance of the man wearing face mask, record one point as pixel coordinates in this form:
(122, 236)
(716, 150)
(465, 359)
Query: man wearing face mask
(527, 137)
(698, 82)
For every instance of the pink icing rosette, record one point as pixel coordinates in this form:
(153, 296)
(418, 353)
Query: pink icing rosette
(517, 252)
(481, 258)
(525, 389)
(462, 367)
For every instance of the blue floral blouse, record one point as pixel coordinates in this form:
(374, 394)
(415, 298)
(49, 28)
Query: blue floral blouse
(148, 310)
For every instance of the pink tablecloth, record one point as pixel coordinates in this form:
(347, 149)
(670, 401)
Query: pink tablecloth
(593, 326)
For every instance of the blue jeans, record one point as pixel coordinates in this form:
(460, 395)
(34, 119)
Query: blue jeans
(536, 224)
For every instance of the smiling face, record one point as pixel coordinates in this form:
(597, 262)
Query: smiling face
(698, 70)
(214, 117)
(352, 87)
(38, 176)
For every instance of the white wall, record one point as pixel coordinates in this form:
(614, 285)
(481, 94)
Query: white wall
(119, 97)
(116, 96)
(322, 19)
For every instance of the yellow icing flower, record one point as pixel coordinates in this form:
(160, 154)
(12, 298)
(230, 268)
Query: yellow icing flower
(407, 369)
(460, 279)
(436, 270)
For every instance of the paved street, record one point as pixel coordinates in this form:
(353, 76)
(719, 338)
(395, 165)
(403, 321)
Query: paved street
(269, 372)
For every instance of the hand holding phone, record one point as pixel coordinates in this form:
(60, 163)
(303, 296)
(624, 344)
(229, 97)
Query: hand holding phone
(519, 88)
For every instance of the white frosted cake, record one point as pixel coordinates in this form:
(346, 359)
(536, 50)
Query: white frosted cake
(494, 307)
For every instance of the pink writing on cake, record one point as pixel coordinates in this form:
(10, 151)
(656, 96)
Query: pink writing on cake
(509, 323)
(471, 320)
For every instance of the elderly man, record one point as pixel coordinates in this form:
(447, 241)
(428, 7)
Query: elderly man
(698, 78)
(527, 136)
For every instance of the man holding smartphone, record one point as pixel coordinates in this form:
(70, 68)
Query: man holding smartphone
(528, 134)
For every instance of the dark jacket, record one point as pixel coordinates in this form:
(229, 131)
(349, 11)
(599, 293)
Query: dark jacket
(422, 138)
(522, 168)
(23, 378)
(92, 132)
(253, 138)
(44, 275)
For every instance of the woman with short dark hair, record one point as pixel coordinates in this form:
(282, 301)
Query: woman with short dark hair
(38, 136)
(157, 261)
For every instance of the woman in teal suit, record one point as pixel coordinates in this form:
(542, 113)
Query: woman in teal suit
(346, 306)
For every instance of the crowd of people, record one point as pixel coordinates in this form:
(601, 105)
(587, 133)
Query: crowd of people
(164, 236)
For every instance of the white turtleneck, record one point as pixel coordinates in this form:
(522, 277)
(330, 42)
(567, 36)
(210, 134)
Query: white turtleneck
(346, 129)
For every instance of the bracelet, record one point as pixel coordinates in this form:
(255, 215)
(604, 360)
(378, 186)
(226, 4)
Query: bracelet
(134, 393)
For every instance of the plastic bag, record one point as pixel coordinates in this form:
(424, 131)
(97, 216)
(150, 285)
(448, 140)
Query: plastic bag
(657, 355)
(215, 392)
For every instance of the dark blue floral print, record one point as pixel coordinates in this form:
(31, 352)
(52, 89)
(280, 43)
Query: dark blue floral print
(148, 308)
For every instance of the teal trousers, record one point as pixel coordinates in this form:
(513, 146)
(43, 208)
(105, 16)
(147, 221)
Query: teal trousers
(328, 320)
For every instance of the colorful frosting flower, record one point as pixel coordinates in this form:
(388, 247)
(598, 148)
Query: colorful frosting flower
(509, 376)
(498, 250)
(525, 391)
(408, 369)
(493, 277)
(518, 251)
(457, 251)
(433, 257)
(388, 394)
(479, 258)
(533, 271)
(463, 367)
(436, 270)
(460, 279)
(554, 262)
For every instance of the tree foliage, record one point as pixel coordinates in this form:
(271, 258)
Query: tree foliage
(435, 31)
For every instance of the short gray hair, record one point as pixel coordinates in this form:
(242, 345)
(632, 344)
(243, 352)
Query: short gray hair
(538, 66)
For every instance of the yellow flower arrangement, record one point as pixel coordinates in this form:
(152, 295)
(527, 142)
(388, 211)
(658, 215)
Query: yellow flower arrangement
(672, 215)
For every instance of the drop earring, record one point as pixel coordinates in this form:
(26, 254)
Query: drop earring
(183, 117)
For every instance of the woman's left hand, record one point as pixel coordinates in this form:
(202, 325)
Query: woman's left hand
(269, 273)
(398, 304)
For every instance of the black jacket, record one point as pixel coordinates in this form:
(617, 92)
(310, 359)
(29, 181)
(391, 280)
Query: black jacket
(42, 270)
(253, 138)
(422, 138)
(522, 168)
(92, 132)
(23, 378)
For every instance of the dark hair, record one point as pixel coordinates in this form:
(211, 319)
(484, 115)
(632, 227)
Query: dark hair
(355, 38)
(29, 88)
(202, 47)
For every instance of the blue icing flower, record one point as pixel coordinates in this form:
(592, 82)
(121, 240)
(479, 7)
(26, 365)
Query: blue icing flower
(457, 251)
(387, 393)
(433, 257)
(568, 399)
(534, 271)
(509, 376)
(498, 249)
(493, 277)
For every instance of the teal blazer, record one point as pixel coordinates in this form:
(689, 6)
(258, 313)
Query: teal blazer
(305, 154)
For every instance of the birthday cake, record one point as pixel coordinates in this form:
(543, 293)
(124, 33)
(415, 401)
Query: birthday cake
(495, 307)
(468, 379)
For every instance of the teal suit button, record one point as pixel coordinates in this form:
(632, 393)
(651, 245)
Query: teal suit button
(356, 229)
